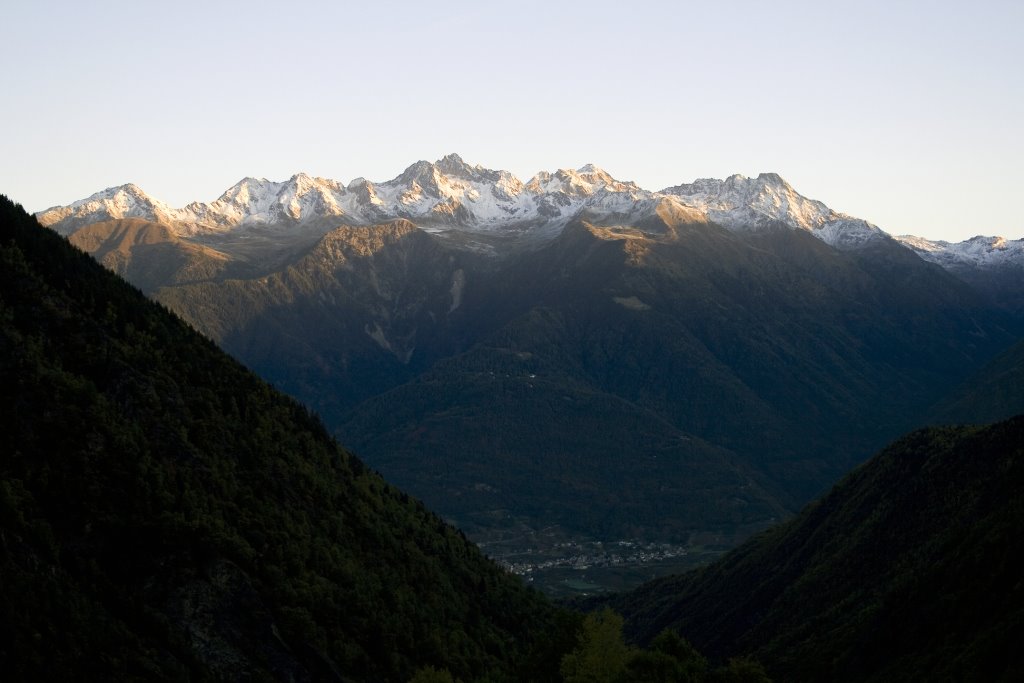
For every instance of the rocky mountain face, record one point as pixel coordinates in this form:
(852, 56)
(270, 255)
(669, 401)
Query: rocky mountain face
(451, 195)
(453, 198)
(573, 351)
(766, 202)
(445, 194)
(977, 251)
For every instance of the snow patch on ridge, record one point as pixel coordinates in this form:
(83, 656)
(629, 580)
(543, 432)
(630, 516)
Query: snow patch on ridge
(979, 251)
(123, 201)
(450, 194)
(744, 204)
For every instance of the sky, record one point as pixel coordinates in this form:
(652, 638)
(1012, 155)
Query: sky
(907, 114)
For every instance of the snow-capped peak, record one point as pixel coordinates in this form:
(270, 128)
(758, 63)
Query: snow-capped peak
(768, 198)
(451, 194)
(582, 182)
(744, 204)
(246, 189)
(977, 251)
(122, 201)
(453, 165)
(260, 201)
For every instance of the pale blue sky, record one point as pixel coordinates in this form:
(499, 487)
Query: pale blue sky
(908, 114)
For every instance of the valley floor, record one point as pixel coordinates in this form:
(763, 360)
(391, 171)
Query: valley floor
(563, 564)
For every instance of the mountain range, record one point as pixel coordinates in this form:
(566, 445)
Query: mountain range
(165, 514)
(992, 265)
(450, 194)
(575, 352)
(493, 211)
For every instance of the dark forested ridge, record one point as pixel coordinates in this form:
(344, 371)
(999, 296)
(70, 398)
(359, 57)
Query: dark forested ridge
(907, 570)
(165, 514)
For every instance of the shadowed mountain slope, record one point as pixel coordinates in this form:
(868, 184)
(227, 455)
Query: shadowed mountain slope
(774, 361)
(906, 570)
(995, 392)
(166, 514)
(149, 255)
(363, 310)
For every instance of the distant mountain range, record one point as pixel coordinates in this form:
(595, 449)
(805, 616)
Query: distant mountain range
(452, 194)
(575, 351)
(992, 265)
(454, 198)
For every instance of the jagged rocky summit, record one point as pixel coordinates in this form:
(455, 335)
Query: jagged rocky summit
(450, 194)
(978, 251)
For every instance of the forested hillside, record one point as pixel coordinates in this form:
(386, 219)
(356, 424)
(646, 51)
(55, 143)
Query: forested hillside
(907, 570)
(165, 514)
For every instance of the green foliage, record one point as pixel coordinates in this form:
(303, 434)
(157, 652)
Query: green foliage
(686, 663)
(601, 655)
(645, 665)
(556, 641)
(166, 514)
